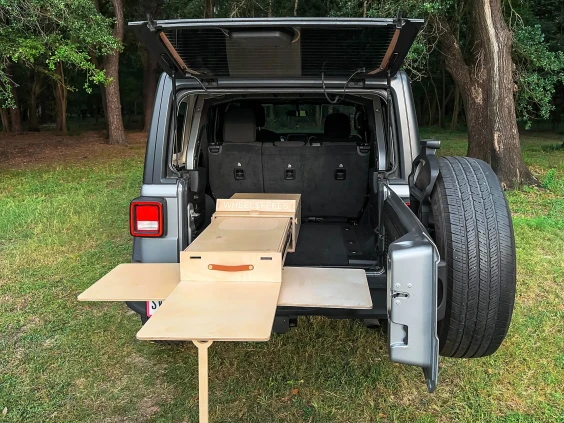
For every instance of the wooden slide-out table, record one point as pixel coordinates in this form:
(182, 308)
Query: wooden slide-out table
(231, 279)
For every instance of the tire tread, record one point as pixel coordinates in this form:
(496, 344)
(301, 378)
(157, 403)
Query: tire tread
(474, 234)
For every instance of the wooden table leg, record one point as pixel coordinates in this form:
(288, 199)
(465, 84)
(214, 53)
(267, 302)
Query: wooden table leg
(203, 378)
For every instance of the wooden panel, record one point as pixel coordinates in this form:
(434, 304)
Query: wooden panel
(264, 205)
(301, 286)
(215, 311)
(135, 282)
(260, 202)
(267, 196)
(254, 249)
(325, 288)
(257, 235)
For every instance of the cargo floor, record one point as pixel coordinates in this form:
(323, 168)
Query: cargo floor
(333, 244)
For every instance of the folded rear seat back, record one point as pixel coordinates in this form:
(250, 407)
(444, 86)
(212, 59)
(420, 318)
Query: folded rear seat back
(235, 165)
(341, 177)
(332, 177)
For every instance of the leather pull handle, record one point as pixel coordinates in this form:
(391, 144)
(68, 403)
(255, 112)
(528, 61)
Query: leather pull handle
(224, 268)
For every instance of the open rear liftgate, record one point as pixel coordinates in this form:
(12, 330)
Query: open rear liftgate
(231, 279)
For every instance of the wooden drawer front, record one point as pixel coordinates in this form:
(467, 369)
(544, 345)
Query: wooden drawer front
(238, 249)
(232, 266)
(267, 203)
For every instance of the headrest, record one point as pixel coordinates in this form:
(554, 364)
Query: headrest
(289, 143)
(260, 114)
(337, 125)
(239, 125)
(258, 109)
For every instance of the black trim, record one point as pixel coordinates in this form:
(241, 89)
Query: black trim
(420, 190)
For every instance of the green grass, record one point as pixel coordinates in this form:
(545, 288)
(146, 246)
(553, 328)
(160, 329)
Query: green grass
(62, 227)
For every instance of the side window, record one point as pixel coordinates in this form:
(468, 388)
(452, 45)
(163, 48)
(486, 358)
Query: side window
(180, 119)
(183, 127)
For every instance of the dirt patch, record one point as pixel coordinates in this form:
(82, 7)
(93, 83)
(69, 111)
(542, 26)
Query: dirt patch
(47, 148)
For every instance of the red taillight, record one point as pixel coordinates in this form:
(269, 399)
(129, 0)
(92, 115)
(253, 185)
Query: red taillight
(407, 203)
(146, 218)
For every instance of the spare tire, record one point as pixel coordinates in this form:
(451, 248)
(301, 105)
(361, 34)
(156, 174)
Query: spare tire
(471, 224)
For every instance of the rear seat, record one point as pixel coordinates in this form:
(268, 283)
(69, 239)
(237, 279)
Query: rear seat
(235, 166)
(332, 176)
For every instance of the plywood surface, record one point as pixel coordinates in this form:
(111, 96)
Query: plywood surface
(301, 286)
(135, 282)
(215, 311)
(324, 288)
(254, 213)
(260, 202)
(266, 196)
(242, 234)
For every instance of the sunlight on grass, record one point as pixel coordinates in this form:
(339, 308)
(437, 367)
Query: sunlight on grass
(62, 227)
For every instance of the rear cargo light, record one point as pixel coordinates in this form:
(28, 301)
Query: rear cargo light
(146, 217)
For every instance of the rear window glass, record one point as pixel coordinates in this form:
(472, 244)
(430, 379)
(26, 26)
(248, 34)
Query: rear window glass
(303, 118)
(336, 51)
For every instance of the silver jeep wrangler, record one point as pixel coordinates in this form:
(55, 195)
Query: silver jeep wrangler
(319, 107)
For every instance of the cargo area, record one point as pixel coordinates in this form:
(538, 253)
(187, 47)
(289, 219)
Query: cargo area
(283, 144)
(335, 244)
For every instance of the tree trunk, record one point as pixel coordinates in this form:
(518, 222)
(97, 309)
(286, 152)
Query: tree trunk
(444, 98)
(477, 120)
(15, 114)
(149, 86)
(102, 88)
(116, 133)
(5, 116)
(437, 101)
(296, 3)
(455, 109)
(209, 5)
(34, 91)
(60, 91)
(486, 89)
(429, 106)
(503, 134)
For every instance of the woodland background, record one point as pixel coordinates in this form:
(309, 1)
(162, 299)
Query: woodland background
(66, 64)
(65, 195)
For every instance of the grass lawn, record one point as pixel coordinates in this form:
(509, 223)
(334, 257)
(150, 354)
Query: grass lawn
(64, 225)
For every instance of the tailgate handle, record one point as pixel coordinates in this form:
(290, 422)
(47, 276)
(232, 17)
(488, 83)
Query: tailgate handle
(225, 268)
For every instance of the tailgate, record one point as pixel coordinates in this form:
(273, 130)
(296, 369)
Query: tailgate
(412, 275)
(279, 47)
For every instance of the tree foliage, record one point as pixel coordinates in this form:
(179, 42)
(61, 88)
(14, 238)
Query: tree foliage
(538, 41)
(42, 33)
(39, 33)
